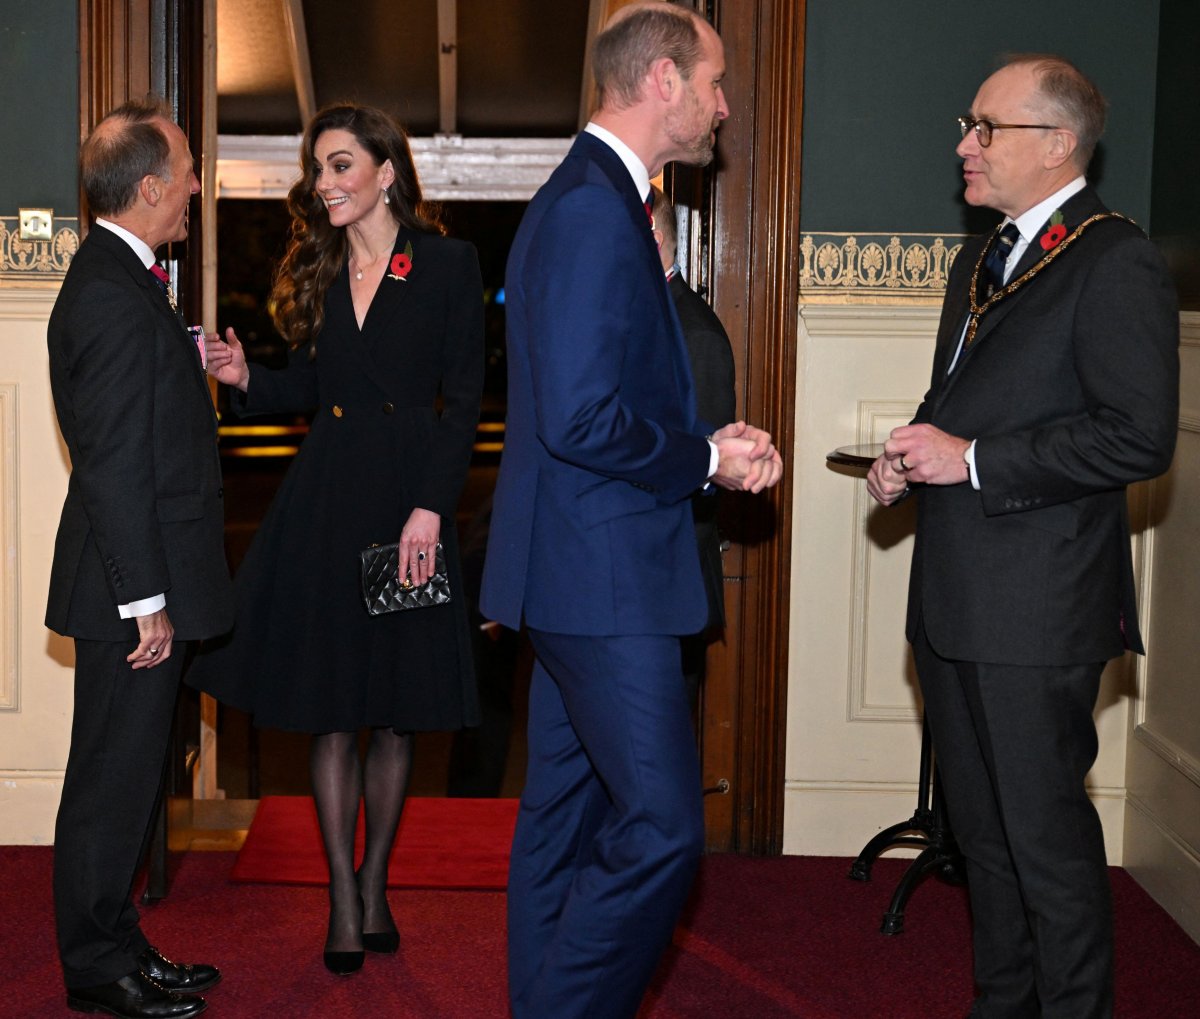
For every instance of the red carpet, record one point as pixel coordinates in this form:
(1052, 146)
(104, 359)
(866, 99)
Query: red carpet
(442, 843)
(760, 939)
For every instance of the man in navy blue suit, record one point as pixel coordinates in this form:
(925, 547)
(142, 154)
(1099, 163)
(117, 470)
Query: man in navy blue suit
(592, 544)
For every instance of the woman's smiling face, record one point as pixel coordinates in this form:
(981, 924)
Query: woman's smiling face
(348, 180)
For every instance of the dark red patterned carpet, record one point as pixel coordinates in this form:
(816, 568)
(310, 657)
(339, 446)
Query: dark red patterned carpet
(761, 939)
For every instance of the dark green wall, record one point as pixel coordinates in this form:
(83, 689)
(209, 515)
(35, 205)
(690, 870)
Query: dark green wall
(884, 81)
(39, 106)
(1175, 196)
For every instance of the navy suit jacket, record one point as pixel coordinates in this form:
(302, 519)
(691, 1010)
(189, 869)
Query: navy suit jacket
(592, 527)
(1071, 391)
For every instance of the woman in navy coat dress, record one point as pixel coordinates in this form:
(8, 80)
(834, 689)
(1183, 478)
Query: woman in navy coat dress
(385, 318)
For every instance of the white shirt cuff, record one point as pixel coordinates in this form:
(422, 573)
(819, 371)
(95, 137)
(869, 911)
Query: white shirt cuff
(714, 459)
(969, 456)
(143, 607)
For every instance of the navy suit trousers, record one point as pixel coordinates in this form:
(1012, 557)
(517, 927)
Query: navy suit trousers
(611, 825)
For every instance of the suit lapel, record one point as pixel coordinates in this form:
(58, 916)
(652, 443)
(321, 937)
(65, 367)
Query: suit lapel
(1075, 210)
(610, 163)
(394, 287)
(140, 276)
(385, 306)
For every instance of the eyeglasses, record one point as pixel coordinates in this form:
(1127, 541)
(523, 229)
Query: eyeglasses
(983, 128)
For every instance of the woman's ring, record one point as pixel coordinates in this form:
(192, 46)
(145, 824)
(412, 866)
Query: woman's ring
(420, 557)
(903, 466)
(153, 651)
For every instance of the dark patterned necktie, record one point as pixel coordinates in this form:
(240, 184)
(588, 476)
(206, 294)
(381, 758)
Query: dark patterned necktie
(997, 258)
(163, 282)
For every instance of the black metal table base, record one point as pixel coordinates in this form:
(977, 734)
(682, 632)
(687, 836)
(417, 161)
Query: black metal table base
(929, 830)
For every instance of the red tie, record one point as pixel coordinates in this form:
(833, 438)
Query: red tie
(164, 283)
(649, 212)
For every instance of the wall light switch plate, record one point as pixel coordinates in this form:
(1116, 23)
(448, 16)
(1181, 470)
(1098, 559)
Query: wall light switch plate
(36, 224)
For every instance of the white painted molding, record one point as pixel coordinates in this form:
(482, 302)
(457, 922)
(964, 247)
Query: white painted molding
(10, 562)
(1167, 751)
(876, 419)
(1189, 328)
(26, 304)
(871, 321)
(451, 167)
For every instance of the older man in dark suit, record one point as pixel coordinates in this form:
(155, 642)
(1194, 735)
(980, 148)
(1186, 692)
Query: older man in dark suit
(592, 543)
(139, 569)
(1055, 385)
(711, 360)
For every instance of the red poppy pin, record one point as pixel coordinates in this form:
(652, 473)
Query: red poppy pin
(1053, 237)
(402, 263)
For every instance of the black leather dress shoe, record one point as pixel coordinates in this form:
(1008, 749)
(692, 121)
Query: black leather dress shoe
(185, 978)
(135, 997)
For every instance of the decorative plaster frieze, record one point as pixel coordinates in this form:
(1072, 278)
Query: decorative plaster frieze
(842, 267)
(40, 262)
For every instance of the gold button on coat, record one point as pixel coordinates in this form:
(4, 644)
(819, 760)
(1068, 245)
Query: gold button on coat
(337, 411)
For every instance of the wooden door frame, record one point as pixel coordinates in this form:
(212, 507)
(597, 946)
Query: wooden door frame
(747, 262)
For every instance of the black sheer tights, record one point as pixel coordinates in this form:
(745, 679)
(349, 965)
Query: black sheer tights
(358, 903)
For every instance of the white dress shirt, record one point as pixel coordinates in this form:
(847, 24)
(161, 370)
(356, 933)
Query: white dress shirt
(1028, 224)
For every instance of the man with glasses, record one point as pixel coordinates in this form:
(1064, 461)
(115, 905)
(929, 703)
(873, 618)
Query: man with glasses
(1055, 385)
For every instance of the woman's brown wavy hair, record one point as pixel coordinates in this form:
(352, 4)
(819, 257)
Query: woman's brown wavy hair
(316, 251)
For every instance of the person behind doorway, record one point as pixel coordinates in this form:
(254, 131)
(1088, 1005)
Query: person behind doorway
(1055, 385)
(592, 544)
(385, 318)
(139, 569)
(711, 359)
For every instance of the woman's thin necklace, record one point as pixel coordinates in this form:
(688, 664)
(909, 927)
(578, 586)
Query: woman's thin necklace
(358, 273)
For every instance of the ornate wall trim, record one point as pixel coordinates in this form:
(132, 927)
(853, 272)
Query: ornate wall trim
(10, 611)
(844, 267)
(36, 263)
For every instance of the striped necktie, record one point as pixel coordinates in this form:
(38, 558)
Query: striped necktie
(997, 258)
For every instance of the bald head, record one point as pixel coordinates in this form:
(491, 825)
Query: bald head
(664, 226)
(127, 145)
(1069, 97)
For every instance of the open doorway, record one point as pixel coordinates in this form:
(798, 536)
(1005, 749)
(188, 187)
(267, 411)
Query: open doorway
(256, 453)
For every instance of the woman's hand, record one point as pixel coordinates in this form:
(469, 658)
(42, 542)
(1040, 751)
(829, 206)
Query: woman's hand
(227, 360)
(417, 543)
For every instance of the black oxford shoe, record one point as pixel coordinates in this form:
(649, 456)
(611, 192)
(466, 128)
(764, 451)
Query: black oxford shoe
(135, 997)
(185, 978)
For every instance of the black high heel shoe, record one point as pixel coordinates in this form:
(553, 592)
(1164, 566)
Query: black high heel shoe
(343, 963)
(383, 942)
(387, 942)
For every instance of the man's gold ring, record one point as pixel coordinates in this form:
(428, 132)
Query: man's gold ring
(903, 466)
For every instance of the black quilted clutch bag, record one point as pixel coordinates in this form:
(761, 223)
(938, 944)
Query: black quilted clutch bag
(382, 592)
